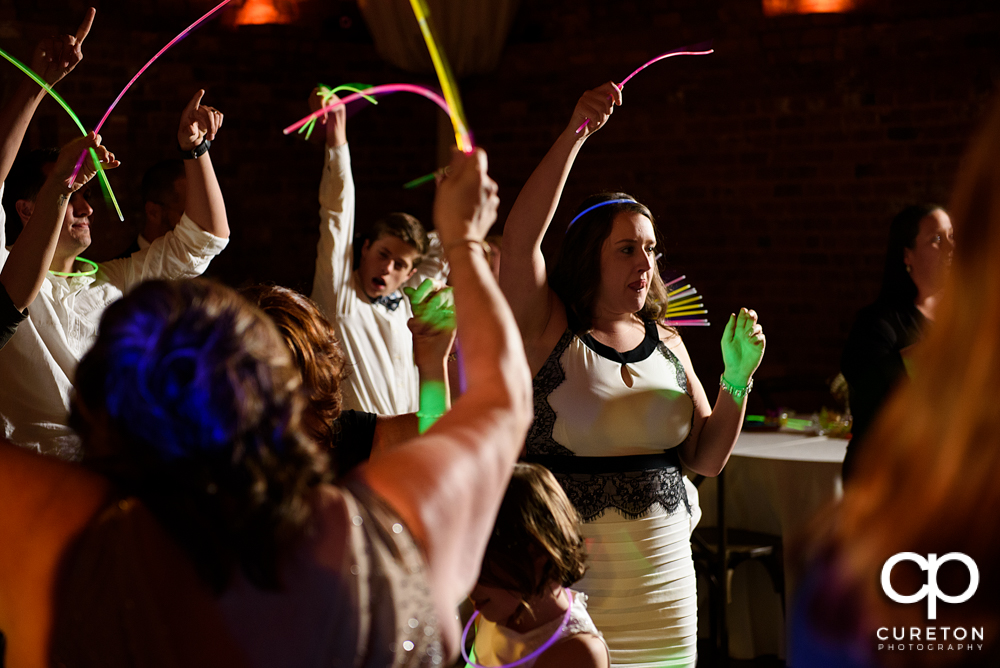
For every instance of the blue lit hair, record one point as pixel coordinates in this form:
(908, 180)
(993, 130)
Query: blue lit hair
(201, 404)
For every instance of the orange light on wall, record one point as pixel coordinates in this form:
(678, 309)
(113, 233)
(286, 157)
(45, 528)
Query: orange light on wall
(261, 12)
(779, 7)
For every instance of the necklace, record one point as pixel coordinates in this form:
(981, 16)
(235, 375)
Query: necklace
(89, 272)
(533, 655)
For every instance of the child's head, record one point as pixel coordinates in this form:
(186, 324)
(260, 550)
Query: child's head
(535, 541)
(391, 254)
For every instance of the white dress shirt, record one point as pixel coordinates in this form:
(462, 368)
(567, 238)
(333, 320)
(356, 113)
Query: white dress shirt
(37, 365)
(381, 376)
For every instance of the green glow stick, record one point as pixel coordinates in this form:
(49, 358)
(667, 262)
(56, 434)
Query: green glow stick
(419, 181)
(433, 403)
(105, 185)
(327, 94)
(754, 418)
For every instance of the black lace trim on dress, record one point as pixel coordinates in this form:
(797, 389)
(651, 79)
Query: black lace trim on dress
(631, 493)
(551, 376)
(682, 378)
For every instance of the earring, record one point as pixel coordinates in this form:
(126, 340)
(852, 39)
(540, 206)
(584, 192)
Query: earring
(909, 269)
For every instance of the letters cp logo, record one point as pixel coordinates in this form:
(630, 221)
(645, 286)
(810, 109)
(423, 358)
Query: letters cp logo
(930, 590)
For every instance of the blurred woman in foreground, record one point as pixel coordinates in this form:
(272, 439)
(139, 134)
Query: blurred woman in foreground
(205, 533)
(930, 484)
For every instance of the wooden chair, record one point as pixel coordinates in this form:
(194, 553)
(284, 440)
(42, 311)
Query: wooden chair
(717, 552)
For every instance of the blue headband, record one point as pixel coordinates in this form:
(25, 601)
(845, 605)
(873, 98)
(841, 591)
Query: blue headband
(599, 204)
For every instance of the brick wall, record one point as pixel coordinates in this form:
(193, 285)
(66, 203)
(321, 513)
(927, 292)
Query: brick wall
(773, 166)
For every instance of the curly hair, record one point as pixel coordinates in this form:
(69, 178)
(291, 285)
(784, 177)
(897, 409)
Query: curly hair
(314, 348)
(189, 400)
(576, 275)
(536, 520)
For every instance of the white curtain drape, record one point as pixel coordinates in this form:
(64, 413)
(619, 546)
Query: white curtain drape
(471, 32)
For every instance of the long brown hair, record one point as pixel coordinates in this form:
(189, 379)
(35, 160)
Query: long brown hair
(928, 483)
(314, 348)
(190, 401)
(576, 276)
(536, 520)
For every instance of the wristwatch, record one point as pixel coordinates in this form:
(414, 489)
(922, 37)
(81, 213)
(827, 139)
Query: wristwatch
(195, 153)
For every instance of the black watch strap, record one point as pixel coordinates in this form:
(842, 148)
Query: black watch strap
(198, 151)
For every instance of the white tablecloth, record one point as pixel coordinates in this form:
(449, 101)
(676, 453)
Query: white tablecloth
(776, 483)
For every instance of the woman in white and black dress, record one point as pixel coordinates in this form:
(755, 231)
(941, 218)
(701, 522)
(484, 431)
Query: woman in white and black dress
(618, 407)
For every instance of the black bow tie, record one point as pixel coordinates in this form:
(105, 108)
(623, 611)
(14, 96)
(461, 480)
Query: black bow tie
(390, 302)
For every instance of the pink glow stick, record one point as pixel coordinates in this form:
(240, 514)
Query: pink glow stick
(374, 90)
(159, 53)
(582, 125)
(676, 280)
(700, 49)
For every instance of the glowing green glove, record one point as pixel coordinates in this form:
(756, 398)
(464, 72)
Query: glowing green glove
(742, 347)
(436, 309)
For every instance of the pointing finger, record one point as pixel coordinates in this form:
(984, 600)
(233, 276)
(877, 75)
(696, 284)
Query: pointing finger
(195, 101)
(84, 28)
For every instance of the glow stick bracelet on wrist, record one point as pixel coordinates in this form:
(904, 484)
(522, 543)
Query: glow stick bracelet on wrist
(89, 272)
(138, 74)
(433, 404)
(533, 655)
(105, 185)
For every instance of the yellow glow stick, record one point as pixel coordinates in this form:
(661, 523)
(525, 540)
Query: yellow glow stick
(677, 303)
(445, 76)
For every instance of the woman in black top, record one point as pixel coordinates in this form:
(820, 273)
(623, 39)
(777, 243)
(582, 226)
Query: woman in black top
(921, 243)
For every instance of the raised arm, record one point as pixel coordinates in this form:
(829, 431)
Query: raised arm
(31, 255)
(54, 58)
(335, 252)
(448, 483)
(205, 205)
(714, 430)
(433, 329)
(523, 277)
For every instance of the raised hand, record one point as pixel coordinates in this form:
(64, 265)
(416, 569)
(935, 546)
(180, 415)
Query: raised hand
(56, 56)
(336, 120)
(322, 97)
(433, 308)
(742, 347)
(466, 203)
(70, 153)
(595, 108)
(198, 123)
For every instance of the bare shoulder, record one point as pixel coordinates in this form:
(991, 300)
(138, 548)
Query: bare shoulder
(582, 650)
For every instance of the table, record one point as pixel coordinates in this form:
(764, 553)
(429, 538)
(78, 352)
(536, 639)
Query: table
(775, 482)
